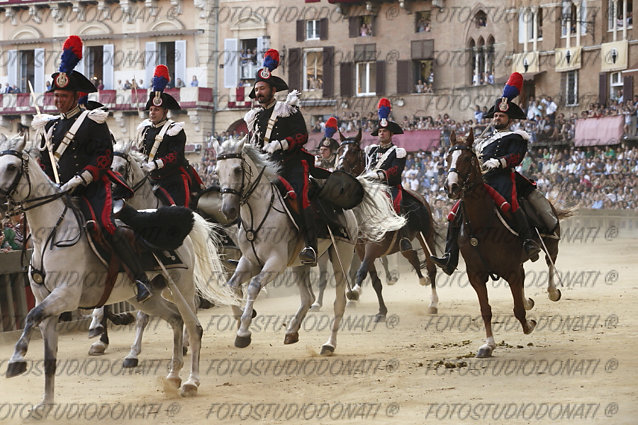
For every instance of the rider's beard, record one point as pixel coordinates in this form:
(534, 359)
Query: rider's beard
(501, 126)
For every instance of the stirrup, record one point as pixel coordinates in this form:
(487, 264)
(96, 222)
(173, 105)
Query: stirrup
(308, 256)
(143, 293)
(531, 249)
(405, 244)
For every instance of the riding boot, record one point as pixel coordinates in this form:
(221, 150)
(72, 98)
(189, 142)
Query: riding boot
(450, 259)
(404, 240)
(130, 258)
(522, 227)
(308, 255)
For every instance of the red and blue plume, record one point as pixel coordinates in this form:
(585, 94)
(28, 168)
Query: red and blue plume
(160, 78)
(384, 108)
(514, 86)
(71, 54)
(83, 98)
(331, 127)
(271, 59)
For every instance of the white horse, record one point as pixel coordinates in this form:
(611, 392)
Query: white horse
(269, 240)
(127, 163)
(64, 273)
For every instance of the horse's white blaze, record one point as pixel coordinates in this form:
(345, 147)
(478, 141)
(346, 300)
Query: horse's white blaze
(453, 177)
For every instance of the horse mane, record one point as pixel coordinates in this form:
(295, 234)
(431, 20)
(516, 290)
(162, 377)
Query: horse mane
(123, 147)
(260, 159)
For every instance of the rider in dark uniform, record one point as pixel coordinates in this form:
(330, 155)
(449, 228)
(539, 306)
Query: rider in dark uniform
(279, 129)
(82, 147)
(386, 162)
(328, 146)
(499, 154)
(162, 141)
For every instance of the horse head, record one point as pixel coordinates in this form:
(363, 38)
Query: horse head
(464, 165)
(121, 160)
(14, 165)
(350, 156)
(231, 174)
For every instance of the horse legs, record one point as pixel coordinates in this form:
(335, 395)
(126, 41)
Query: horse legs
(516, 281)
(389, 277)
(344, 251)
(136, 348)
(244, 271)
(98, 327)
(431, 268)
(356, 268)
(378, 288)
(62, 298)
(302, 276)
(478, 283)
(272, 267)
(553, 292)
(323, 281)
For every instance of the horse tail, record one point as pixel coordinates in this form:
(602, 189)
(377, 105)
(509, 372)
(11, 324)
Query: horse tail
(208, 271)
(120, 319)
(560, 213)
(375, 214)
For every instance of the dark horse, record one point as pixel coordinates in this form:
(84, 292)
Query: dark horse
(352, 159)
(487, 245)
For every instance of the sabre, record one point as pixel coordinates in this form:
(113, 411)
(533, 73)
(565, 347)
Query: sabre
(343, 270)
(549, 256)
(54, 164)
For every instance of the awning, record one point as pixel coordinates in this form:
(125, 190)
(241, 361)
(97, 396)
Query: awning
(411, 141)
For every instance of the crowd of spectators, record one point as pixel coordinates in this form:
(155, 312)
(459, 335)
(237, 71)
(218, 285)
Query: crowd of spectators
(12, 234)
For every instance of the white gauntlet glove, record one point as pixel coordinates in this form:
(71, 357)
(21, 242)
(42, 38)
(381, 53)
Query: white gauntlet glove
(375, 175)
(492, 164)
(83, 179)
(152, 165)
(275, 145)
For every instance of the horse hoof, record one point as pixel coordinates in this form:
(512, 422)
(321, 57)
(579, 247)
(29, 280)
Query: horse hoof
(424, 281)
(554, 296)
(379, 317)
(174, 382)
(16, 368)
(184, 351)
(97, 331)
(327, 350)
(433, 310)
(352, 295)
(484, 352)
(188, 390)
(530, 327)
(129, 363)
(391, 282)
(315, 307)
(97, 349)
(291, 338)
(530, 304)
(242, 341)
(254, 313)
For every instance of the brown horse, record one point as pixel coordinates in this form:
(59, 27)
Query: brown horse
(487, 245)
(352, 159)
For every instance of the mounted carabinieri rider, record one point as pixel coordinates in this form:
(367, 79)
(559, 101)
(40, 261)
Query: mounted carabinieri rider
(500, 154)
(279, 129)
(162, 141)
(80, 145)
(328, 146)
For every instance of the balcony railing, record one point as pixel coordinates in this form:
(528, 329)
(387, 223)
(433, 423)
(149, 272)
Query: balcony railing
(115, 100)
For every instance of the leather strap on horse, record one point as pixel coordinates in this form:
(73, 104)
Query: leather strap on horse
(109, 282)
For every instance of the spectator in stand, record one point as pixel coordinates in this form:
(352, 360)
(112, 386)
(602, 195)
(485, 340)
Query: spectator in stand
(194, 81)
(179, 83)
(127, 85)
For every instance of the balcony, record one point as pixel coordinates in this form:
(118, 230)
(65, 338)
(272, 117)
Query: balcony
(115, 100)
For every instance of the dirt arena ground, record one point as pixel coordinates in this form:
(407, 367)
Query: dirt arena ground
(579, 366)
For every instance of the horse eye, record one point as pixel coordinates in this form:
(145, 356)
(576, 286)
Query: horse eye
(237, 171)
(12, 167)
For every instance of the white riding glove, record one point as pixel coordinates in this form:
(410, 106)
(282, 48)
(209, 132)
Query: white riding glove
(375, 175)
(275, 145)
(83, 179)
(493, 163)
(152, 165)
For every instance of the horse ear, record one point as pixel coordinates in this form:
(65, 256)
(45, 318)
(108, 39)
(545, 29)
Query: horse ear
(470, 138)
(359, 135)
(340, 136)
(453, 138)
(18, 142)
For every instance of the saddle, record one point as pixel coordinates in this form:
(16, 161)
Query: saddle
(325, 213)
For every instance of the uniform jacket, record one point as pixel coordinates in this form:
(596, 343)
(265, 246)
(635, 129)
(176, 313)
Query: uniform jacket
(170, 150)
(393, 164)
